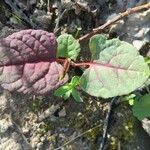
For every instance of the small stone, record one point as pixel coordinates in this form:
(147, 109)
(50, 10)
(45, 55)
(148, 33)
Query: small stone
(138, 44)
(142, 32)
(62, 113)
(35, 140)
(146, 125)
(39, 146)
(42, 139)
(25, 130)
(62, 136)
(5, 125)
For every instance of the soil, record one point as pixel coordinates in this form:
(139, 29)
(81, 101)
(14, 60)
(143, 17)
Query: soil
(25, 121)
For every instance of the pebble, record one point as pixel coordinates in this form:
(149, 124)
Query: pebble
(146, 125)
(5, 125)
(62, 113)
(138, 44)
(39, 146)
(42, 139)
(142, 32)
(25, 130)
(35, 140)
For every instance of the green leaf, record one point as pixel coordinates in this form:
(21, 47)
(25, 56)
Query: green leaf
(62, 90)
(130, 98)
(67, 94)
(131, 102)
(116, 70)
(74, 81)
(66, 90)
(68, 46)
(141, 108)
(76, 95)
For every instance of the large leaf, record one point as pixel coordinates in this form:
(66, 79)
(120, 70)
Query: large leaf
(68, 46)
(141, 108)
(27, 62)
(116, 70)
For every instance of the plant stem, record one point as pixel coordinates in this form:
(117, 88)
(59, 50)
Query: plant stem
(81, 64)
(73, 64)
(110, 22)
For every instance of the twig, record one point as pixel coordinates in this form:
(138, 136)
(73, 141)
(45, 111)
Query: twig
(105, 126)
(48, 6)
(109, 22)
(59, 14)
(57, 28)
(48, 112)
(90, 130)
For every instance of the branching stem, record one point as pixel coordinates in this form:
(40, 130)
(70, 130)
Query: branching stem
(115, 19)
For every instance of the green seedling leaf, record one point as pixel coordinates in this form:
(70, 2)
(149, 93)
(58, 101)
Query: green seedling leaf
(67, 94)
(116, 70)
(131, 102)
(66, 90)
(130, 98)
(74, 81)
(62, 90)
(141, 108)
(68, 46)
(76, 96)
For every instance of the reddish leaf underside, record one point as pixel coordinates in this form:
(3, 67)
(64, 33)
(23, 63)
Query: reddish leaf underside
(27, 62)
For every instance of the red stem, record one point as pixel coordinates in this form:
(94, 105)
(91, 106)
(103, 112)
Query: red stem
(84, 64)
(73, 64)
(61, 60)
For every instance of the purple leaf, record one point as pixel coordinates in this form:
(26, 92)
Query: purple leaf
(28, 62)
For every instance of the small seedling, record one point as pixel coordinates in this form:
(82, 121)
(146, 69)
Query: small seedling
(70, 89)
